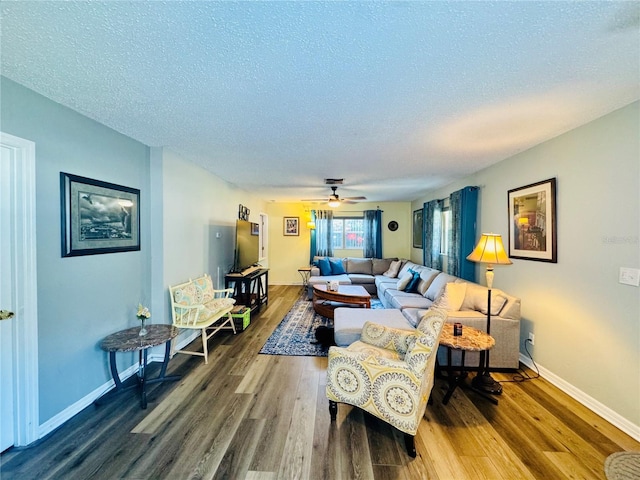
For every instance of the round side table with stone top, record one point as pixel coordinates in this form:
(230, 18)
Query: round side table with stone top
(130, 340)
(471, 340)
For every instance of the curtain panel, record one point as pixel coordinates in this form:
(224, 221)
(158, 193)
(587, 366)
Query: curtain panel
(462, 236)
(431, 234)
(321, 244)
(372, 247)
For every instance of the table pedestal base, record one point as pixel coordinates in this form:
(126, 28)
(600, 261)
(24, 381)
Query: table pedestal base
(142, 381)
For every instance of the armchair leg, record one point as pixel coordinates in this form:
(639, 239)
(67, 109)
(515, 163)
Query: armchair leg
(410, 444)
(333, 410)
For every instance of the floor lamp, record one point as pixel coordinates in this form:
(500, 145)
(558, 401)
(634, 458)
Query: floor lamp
(489, 250)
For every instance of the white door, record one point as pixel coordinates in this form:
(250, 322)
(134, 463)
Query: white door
(7, 425)
(19, 422)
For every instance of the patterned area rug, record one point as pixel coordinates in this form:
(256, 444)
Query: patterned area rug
(296, 332)
(622, 466)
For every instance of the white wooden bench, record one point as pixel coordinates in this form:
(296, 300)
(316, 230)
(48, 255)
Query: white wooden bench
(197, 305)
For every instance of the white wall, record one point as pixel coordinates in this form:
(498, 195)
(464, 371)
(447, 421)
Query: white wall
(586, 324)
(198, 206)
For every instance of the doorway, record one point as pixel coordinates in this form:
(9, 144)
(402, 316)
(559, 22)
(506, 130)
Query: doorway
(19, 421)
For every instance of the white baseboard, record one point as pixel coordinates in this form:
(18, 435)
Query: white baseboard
(155, 355)
(591, 403)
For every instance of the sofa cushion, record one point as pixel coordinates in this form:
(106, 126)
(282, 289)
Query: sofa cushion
(427, 275)
(359, 265)
(380, 265)
(362, 279)
(348, 322)
(409, 301)
(476, 297)
(325, 266)
(404, 281)
(337, 268)
(341, 279)
(452, 297)
(437, 285)
(394, 269)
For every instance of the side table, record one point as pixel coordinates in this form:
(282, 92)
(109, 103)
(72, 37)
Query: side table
(305, 273)
(471, 340)
(129, 340)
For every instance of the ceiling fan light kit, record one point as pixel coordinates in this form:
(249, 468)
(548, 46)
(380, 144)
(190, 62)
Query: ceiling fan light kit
(334, 199)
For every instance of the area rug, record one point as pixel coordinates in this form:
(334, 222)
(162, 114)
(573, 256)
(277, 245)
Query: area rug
(622, 466)
(295, 335)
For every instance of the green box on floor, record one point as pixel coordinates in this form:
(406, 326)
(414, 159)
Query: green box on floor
(241, 317)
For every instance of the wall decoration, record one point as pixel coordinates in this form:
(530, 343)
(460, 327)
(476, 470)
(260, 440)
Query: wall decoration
(417, 228)
(532, 222)
(291, 226)
(98, 217)
(392, 225)
(243, 212)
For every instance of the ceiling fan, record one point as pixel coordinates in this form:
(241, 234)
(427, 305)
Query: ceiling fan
(334, 199)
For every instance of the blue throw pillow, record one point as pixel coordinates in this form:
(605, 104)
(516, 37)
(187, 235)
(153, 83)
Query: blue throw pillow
(336, 266)
(412, 287)
(324, 266)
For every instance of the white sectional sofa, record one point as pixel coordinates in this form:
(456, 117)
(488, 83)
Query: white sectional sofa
(404, 309)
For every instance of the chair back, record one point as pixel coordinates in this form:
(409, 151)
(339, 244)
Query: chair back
(186, 302)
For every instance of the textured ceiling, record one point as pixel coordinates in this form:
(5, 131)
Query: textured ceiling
(394, 97)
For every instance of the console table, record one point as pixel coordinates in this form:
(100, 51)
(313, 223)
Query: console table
(130, 340)
(249, 289)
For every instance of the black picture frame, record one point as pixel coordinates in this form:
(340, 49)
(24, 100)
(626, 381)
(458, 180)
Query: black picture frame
(417, 228)
(532, 222)
(98, 217)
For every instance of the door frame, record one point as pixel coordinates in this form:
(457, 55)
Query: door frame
(25, 301)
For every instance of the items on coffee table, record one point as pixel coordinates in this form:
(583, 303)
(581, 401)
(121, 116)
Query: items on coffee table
(325, 301)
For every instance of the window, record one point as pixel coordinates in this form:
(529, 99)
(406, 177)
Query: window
(348, 233)
(444, 233)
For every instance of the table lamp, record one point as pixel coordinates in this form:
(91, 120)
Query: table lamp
(489, 250)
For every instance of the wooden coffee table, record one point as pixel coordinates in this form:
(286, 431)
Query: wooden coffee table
(325, 301)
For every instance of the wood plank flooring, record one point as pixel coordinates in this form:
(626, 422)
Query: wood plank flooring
(262, 417)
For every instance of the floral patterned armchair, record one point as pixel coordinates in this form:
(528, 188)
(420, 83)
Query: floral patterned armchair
(388, 373)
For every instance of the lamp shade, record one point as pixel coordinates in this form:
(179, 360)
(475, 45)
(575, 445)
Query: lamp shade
(334, 203)
(490, 250)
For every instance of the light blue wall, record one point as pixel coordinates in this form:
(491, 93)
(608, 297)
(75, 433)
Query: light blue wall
(585, 322)
(80, 299)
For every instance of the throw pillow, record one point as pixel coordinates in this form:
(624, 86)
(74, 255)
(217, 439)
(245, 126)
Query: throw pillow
(452, 297)
(404, 281)
(324, 266)
(394, 268)
(336, 266)
(412, 287)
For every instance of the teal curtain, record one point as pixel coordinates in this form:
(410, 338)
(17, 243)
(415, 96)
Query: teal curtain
(372, 247)
(462, 238)
(322, 244)
(431, 234)
(312, 243)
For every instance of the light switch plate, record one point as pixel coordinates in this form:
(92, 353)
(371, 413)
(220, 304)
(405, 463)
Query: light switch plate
(630, 276)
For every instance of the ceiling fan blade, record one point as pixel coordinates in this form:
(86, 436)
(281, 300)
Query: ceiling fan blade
(354, 198)
(314, 199)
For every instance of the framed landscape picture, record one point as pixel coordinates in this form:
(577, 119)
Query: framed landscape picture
(532, 222)
(417, 228)
(98, 217)
(291, 226)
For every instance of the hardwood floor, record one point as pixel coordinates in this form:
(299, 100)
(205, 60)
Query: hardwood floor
(251, 416)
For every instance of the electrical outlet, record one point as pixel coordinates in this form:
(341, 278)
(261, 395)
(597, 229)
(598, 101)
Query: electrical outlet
(532, 338)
